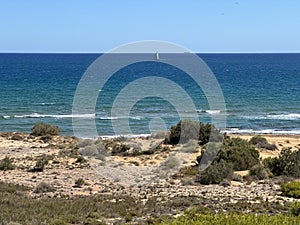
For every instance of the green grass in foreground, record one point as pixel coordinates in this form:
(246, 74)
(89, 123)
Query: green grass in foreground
(16, 206)
(192, 218)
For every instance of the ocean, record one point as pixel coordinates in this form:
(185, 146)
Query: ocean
(261, 92)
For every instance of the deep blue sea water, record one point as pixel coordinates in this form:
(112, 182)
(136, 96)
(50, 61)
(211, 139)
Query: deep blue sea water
(261, 91)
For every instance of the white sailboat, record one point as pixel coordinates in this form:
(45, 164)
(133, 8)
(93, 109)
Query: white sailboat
(156, 56)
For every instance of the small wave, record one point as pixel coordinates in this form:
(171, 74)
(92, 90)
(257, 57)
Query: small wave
(209, 111)
(291, 116)
(265, 131)
(125, 136)
(47, 103)
(6, 117)
(137, 117)
(36, 115)
(116, 118)
(213, 111)
(108, 118)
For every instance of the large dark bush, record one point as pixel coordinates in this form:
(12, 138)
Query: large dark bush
(193, 130)
(208, 154)
(43, 129)
(217, 162)
(209, 133)
(237, 151)
(287, 164)
(216, 172)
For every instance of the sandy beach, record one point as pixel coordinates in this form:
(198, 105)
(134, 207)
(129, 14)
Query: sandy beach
(105, 175)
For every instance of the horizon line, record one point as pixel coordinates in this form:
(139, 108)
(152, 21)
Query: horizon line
(62, 52)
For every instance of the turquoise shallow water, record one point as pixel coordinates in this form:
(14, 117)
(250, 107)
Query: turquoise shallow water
(261, 91)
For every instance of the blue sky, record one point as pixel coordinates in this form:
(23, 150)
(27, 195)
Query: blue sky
(199, 25)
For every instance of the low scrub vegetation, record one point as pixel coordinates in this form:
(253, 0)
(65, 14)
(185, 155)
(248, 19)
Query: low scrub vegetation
(261, 142)
(218, 161)
(286, 164)
(216, 173)
(40, 164)
(259, 172)
(79, 182)
(230, 218)
(114, 208)
(6, 164)
(291, 189)
(44, 187)
(44, 129)
(187, 130)
(295, 209)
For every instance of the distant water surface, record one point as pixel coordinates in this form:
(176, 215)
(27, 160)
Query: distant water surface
(261, 91)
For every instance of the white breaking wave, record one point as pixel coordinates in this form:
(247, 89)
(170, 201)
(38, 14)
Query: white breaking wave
(125, 136)
(209, 111)
(108, 118)
(213, 111)
(265, 131)
(116, 118)
(290, 116)
(36, 115)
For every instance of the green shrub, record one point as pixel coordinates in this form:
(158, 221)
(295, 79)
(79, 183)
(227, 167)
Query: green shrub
(6, 164)
(193, 130)
(89, 150)
(190, 146)
(237, 177)
(261, 142)
(208, 154)
(215, 173)
(11, 188)
(259, 172)
(209, 133)
(189, 171)
(236, 151)
(295, 208)
(81, 143)
(79, 182)
(268, 146)
(218, 161)
(291, 189)
(258, 140)
(44, 187)
(231, 218)
(120, 149)
(43, 129)
(59, 222)
(171, 163)
(41, 163)
(287, 164)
